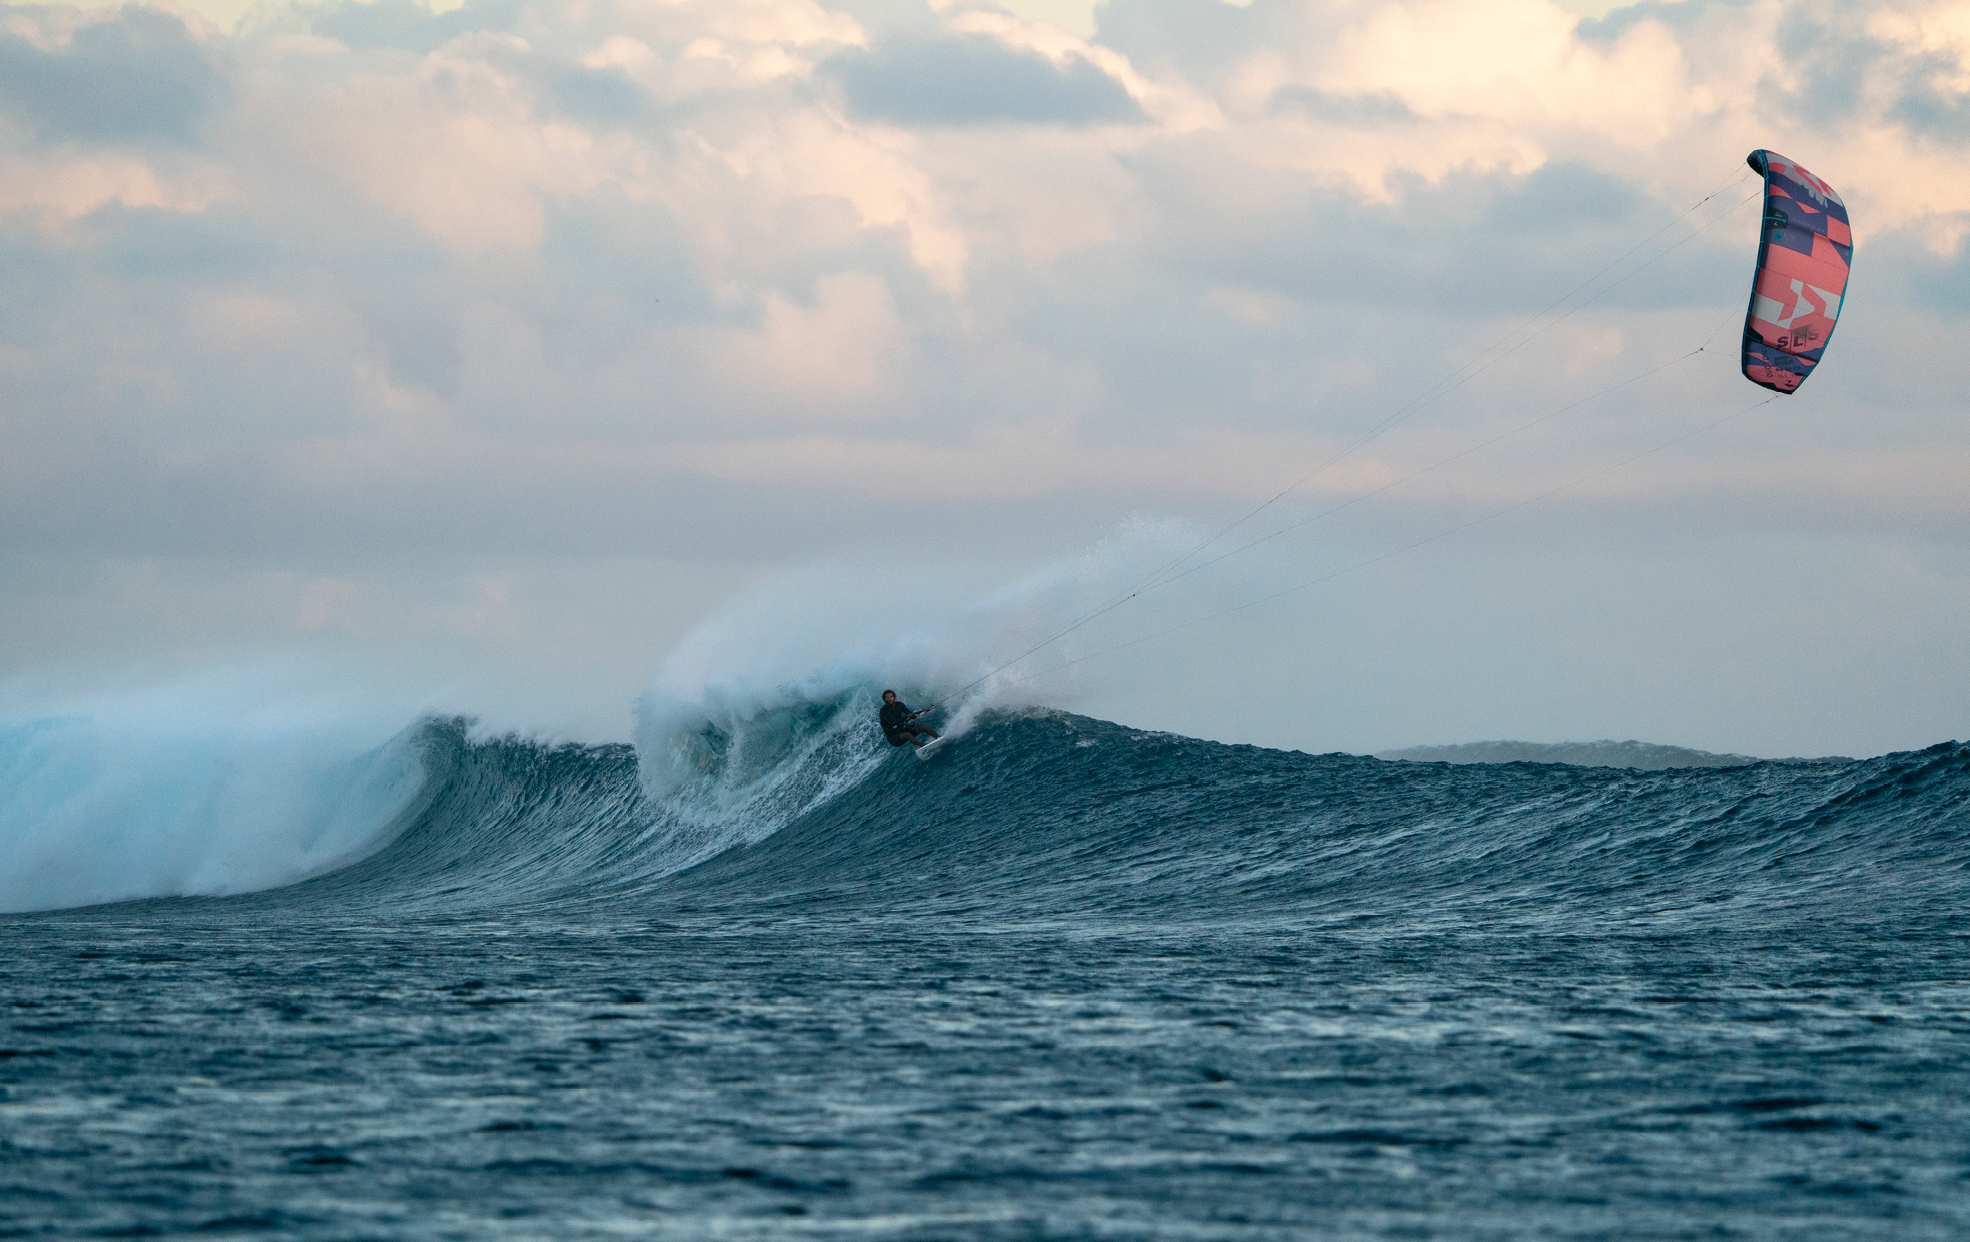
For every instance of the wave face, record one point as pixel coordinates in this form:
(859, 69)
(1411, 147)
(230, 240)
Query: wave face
(1046, 819)
(144, 800)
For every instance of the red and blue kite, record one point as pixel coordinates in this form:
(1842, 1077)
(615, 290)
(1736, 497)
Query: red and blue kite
(1803, 258)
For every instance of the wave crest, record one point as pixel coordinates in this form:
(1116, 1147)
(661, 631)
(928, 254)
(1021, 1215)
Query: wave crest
(120, 802)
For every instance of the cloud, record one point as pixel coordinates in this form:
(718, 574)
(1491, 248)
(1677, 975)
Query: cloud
(177, 249)
(1372, 111)
(138, 77)
(407, 25)
(961, 79)
(1678, 15)
(725, 280)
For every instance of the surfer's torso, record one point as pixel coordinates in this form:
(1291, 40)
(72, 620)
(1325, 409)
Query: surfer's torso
(894, 717)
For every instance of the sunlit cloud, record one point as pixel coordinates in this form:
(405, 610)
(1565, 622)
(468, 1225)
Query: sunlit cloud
(336, 267)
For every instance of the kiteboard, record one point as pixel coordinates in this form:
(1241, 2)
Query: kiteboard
(930, 748)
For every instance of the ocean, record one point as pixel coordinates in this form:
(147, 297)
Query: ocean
(768, 978)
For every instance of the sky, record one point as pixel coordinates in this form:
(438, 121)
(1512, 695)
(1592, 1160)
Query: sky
(487, 355)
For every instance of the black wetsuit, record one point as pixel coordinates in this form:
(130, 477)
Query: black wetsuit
(896, 724)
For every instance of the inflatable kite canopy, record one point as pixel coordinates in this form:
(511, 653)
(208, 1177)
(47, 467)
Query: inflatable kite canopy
(1803, 257)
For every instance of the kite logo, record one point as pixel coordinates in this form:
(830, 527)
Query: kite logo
(1832, 301)
(1804, 306)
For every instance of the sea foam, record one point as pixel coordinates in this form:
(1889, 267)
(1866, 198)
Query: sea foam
(755, 674)
(188, 790)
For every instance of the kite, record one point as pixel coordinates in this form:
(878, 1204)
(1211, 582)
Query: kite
(1803, 255)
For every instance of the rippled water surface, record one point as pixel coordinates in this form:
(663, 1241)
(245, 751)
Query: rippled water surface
(1074, 982)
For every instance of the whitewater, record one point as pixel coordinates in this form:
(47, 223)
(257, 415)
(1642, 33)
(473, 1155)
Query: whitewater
(306, 973)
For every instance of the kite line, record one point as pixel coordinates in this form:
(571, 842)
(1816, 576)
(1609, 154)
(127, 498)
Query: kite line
(1373, 560)
(1469, 370)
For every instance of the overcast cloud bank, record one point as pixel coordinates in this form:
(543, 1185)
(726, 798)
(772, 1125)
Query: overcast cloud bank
(369, 325)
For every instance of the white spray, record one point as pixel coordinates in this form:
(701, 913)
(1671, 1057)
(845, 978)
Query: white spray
(768, 708)
(199, 788)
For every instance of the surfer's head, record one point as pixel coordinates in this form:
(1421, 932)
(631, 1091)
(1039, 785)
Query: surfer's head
(889, 696)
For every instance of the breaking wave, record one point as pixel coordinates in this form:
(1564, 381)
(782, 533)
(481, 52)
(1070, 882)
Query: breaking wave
(1042, 818)
(759, 789)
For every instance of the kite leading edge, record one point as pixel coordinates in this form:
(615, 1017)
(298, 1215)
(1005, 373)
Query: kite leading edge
(1803, 256)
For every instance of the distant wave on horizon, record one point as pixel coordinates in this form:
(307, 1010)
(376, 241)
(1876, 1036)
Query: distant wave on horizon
(1648, 756)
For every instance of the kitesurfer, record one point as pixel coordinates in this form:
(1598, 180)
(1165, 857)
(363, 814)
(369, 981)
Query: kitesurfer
(896, 718)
